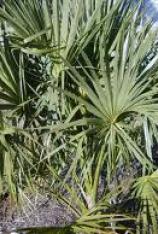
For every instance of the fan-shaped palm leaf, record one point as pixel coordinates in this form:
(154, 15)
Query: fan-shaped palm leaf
(82, 196)
(146, 191)
(120, 92)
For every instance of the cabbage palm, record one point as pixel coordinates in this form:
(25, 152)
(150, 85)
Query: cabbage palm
(119, 103)
(84, 192)
(120, 97)
(57, 29)
(51, 27)
(16, 113)
(109, 105)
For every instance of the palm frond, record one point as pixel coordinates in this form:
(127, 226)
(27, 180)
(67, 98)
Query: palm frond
(145, 190)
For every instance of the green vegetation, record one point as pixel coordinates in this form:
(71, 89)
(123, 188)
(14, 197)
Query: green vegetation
(79, 110)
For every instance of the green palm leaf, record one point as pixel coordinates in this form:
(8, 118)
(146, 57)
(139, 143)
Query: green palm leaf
(145, 190)
(117, 93)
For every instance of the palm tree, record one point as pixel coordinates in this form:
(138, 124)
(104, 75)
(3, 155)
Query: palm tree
(78, 92)
(119, 98)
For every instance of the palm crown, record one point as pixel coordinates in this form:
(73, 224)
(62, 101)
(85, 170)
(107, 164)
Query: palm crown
(78, 91)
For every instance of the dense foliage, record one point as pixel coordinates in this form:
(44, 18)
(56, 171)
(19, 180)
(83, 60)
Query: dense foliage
(79, 109)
